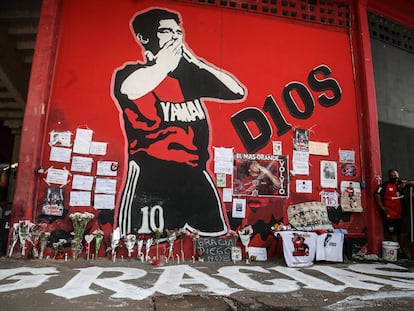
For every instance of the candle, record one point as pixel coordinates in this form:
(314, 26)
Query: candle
(193, 258)
(178, 259)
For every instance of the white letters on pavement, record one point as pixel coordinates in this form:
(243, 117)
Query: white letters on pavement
(243, 279)
(39, 275)
(138, 284)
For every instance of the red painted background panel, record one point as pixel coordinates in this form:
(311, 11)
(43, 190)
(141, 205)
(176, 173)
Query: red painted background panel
(264, 53)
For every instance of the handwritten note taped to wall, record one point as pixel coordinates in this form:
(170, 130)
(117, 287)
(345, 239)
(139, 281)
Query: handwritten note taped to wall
(214, 249)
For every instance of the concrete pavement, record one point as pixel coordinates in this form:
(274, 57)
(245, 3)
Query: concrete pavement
(132, 285)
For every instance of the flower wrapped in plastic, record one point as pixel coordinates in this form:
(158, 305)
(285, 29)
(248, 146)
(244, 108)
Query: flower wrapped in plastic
(98, 235)
(34, 237)
(182, 232)
(15, 237)
(171, 237)
(147, 248)
(194, 237)
(245, 235)
(59, 248)
(44, 237)
(88, 238)
(24, 228)
(115, 239)
(140, 255)
(157, 234)
(79, 220)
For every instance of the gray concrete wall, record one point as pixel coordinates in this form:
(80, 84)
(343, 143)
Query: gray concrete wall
(394, 83)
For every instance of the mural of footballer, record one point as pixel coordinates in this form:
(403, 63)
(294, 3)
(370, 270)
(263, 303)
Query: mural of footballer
(167, 128)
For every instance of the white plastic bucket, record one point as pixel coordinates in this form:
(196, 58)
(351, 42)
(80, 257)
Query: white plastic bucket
(390, 250)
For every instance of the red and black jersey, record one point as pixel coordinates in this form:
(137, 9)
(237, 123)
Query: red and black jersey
(391, 199)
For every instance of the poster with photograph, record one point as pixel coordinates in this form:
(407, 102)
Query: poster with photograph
(351, 196)
(53, 201)
(260, 175)
(329, 174)
(309, 216)
(239, 208)
(301, 140)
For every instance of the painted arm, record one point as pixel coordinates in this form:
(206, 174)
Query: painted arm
(264, 171)
(146, 79)
(222, 76)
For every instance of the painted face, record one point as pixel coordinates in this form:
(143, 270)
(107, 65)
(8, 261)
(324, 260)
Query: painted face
(168, 30)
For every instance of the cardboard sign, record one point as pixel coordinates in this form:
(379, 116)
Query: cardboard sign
(215, 249)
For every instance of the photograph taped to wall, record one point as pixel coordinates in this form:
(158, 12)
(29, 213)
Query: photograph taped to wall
(62, 139)
(260, 175)
(347, 156)
(349, 170)
(351, 196)
(309, 216)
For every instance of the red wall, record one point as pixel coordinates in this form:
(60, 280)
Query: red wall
(264, 53)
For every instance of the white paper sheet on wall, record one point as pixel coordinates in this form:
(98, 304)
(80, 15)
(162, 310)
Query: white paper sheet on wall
(81, 164)
(105, 185)
(60, 154)
(107, 168)
(80, 198)
(81, 182)
(303, 186)
(227, 194)
(57, 176)
(104, 201)
(98, 148)
(83, 141)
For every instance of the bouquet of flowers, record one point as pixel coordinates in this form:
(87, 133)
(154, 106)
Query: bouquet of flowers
(79, 220)
(98, 234)
(59, 248)
(34, 237)
(195, 236)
